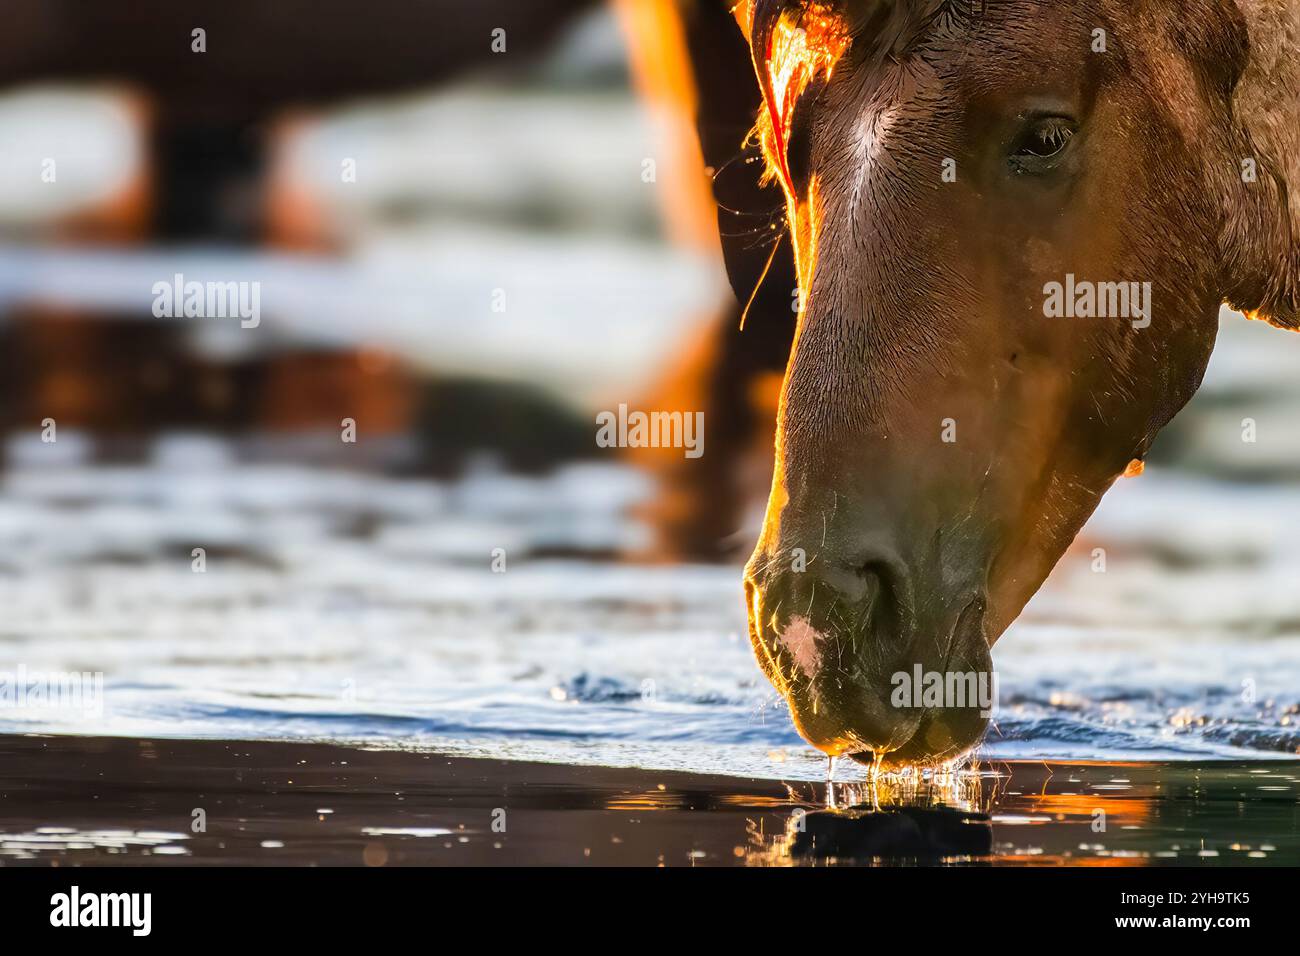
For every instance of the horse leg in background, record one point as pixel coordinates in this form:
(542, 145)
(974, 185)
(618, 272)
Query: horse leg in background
(209, 118)
(709, 507)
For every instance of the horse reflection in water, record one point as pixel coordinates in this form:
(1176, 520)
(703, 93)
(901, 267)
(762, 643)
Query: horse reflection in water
(912, 815)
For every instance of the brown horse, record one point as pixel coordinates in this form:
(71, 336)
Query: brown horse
(1014, 223)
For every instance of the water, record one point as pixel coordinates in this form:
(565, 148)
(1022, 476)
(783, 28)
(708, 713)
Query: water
(292, 803)
(356, 608)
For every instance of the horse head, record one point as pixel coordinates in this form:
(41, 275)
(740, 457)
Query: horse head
(1014, 222)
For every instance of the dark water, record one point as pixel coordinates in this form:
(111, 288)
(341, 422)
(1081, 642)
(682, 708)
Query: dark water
(116, 801)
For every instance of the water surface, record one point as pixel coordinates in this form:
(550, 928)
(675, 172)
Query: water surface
(360, 608)
(88, 801)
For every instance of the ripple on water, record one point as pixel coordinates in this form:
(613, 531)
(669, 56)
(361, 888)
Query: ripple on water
(303, 627)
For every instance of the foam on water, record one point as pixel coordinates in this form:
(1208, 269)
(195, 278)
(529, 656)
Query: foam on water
(351, 607)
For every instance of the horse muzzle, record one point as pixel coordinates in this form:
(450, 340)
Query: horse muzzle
(869, 671)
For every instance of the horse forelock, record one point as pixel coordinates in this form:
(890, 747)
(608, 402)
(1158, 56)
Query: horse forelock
(887, 25)
(795, 46)
(795, 43)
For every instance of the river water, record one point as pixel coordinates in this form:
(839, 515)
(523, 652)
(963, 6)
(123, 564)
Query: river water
(352, 607)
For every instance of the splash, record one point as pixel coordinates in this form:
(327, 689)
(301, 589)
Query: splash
(957, 785)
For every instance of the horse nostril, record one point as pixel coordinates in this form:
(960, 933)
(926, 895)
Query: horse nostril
(852, 586)
(797, 612)
(881, 599)
(860, 594)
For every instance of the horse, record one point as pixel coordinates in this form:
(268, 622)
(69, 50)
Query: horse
(952, 173)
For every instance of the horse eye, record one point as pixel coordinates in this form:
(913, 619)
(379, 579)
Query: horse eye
(1043, 139)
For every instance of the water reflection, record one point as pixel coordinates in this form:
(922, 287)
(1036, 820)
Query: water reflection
(912, 816)
(55, 841)
(1081, 814)
(904, 833)
(292, 803)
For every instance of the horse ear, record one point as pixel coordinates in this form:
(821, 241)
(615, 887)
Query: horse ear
(1262, 237)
